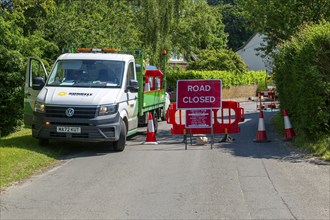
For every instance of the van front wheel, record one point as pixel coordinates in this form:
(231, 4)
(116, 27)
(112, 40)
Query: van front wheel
(120, 144)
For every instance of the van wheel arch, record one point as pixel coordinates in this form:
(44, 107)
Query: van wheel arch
(125, 120)
(119, 145)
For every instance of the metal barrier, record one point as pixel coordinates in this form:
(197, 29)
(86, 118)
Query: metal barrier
(267, 100)
(222, 125)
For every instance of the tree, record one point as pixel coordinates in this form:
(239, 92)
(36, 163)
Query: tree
(155, 19)
(33, 11)
(223, 59)
(92, 24)
(280, 19)
(14, 50)
(236, 25)
(199, 27)
(11, 75)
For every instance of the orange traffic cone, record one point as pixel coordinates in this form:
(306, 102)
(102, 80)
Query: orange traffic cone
(151, 137)
(289, 132)
(147, 85)
(261, 134)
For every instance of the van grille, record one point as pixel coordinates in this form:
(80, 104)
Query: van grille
(79, 112)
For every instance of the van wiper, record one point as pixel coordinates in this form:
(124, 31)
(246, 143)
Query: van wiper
(90, 85)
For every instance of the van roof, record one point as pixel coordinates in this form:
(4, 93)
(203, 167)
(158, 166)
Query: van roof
(95, 56)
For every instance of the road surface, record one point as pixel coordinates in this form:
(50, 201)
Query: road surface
(234, 180)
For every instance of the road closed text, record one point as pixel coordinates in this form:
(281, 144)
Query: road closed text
(199, 94)
(198, 99)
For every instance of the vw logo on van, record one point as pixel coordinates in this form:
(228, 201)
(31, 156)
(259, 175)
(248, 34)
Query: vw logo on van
(69, 112)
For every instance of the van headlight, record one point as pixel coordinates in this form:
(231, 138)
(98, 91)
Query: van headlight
(39, 107)
(108, 109)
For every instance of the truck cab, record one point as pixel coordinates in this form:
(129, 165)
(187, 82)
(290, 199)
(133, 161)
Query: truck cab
(88, 96)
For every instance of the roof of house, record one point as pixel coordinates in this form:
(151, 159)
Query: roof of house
(247, 42)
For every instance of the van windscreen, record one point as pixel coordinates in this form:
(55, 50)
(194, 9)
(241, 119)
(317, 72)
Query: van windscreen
(87, 73)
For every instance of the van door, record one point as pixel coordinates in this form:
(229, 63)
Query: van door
(132, 97)
(35, 74)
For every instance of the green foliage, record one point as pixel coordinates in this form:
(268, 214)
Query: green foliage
(11, 81)
(228, 78)
(73, 24)
(14, 49)
(303, 80)
(279, 19)
(226, 60)
(11, 108)
(199, 26)
(154, 19)
(236, 25)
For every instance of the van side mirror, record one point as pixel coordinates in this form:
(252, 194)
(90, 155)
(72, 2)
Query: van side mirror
(37, 83)
(133, 86)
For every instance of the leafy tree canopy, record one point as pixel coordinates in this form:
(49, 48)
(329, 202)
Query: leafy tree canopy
(223, 59)
(279, 19)
(199, 27)
(236, 25)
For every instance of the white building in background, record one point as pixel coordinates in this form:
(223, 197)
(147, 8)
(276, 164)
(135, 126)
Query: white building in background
(253, 57)
(178, 59)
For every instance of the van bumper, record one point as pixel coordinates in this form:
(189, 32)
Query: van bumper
(99, 129)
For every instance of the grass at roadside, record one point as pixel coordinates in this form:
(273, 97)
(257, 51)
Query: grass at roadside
(320, 147)
(21, 156)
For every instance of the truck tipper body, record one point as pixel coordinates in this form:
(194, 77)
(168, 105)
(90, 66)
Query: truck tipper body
(94, 96)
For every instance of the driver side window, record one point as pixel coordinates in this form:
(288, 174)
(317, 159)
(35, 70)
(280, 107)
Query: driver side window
(37, 70)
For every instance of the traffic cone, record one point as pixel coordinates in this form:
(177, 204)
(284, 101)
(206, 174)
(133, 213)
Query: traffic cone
(147, 85)
(289, 132)
(151, 136)
(261, 134)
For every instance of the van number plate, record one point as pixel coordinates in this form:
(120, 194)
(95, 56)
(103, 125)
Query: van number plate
(68, 129)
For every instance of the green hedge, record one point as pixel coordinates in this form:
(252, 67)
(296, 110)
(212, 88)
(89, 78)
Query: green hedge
(303, 80)
(228, 78)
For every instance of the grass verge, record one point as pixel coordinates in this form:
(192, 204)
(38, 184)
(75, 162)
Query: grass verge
(320, 147)
(21, 156)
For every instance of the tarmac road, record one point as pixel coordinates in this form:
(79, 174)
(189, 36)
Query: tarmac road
(234, 180)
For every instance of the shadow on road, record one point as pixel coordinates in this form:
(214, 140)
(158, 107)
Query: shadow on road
(242, 146)
(277, 148)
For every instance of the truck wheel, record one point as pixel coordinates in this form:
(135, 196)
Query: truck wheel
(143, 120)
(120, 144)
(43, 142)
(163, 115)
(155, 120)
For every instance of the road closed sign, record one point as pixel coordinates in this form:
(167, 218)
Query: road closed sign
(198, 94)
